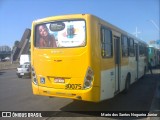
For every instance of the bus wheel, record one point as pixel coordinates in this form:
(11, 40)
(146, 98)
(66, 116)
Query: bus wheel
(127, 84)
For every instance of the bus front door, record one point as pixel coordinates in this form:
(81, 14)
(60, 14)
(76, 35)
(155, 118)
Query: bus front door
(137, 59)
(117, 58)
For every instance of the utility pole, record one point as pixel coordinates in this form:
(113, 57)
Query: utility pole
(11, 55)
(137, 32)
(157, 28)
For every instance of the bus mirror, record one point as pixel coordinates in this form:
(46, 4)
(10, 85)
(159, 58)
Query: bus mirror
(57, 26)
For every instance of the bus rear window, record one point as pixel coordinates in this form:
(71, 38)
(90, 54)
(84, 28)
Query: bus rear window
(60, 34)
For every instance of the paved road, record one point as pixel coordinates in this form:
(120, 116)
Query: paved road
(16, 95)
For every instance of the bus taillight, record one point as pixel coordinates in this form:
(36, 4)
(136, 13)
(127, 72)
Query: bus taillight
(34, 78)
(88, 79)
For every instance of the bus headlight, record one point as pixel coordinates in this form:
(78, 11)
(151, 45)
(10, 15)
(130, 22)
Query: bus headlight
(34, 78)
(88, 80)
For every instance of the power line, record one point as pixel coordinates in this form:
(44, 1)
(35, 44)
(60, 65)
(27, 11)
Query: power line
(155, 24)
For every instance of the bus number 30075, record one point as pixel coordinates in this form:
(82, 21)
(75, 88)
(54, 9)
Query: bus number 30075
(73, 86)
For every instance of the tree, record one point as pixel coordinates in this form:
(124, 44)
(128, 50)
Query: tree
(16, 43)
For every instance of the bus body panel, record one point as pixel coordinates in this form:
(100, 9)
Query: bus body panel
(68, 64)
(113, 77)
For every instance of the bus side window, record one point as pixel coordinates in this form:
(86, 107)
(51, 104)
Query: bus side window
(106, 42)
(142, 50)
(124, 44)
(131, 47)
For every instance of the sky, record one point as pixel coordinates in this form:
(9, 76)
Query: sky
(17, 15)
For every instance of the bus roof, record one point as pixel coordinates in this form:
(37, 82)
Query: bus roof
(70, 16)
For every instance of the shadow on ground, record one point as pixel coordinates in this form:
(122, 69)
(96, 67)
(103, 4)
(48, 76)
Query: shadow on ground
(1, 72)
(138, 99)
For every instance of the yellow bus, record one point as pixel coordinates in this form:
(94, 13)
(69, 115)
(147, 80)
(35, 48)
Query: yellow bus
(83, 57)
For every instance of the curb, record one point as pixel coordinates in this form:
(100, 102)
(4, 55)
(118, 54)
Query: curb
(155, 105)
(156, 99)
(7, 68)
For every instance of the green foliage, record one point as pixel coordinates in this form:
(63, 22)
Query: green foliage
(16, 43)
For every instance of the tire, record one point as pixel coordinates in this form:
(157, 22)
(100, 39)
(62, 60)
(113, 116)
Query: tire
(19, 76)
(127, 84)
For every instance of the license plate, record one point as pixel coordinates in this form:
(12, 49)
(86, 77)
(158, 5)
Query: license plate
(21, 73)
(59, 80)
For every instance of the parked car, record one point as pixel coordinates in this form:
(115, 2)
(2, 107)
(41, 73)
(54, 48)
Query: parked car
(24, 70)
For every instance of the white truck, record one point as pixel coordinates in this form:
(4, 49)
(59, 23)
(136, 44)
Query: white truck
(24, 58)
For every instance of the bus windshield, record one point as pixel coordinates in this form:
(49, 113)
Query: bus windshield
(59, 34)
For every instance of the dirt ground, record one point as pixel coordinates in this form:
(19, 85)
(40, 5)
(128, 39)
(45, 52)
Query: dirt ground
(8, 65)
